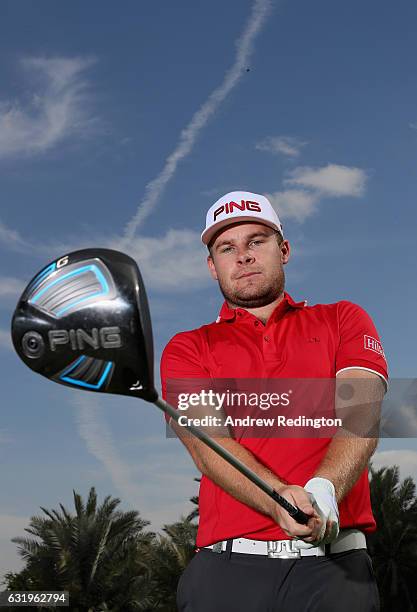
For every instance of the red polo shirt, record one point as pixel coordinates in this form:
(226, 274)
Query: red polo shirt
(298, 341)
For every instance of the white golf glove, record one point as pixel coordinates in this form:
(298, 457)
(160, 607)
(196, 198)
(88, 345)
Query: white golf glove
(323, 499)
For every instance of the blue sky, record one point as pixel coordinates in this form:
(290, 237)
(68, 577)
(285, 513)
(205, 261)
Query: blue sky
(121, 125)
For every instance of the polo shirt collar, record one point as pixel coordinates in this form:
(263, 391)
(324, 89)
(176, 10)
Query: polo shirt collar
(229, 314)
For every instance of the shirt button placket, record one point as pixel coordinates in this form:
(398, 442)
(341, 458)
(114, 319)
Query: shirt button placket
(268, 347)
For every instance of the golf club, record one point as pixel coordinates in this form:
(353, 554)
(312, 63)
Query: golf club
(83, 321)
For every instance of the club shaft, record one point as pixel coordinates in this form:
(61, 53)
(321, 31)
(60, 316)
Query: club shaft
(293, 511)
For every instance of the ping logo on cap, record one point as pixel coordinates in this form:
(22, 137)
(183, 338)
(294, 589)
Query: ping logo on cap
(236, 207)
(230, 206)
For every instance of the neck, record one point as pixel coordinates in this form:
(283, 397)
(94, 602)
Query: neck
(263, 312)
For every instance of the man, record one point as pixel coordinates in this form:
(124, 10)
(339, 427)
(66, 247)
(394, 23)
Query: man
(252, 556)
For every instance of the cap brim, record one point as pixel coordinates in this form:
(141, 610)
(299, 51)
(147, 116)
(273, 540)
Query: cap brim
(210, 232)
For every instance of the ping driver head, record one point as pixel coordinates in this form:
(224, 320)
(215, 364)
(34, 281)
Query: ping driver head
(83, 321)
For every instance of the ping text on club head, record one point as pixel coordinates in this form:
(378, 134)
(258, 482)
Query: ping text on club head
(79, 339)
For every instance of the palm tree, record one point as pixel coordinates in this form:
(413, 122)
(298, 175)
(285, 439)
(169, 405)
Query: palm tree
(92, 554)
(393, 547)
(194, 500)
(168, 557)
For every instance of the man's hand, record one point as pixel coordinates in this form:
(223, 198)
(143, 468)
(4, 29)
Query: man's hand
(298, 497)
(323, 499)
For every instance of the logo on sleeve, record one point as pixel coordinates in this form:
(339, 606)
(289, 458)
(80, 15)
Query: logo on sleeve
(372, 344)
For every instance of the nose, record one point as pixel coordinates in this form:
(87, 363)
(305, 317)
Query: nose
(244, 256)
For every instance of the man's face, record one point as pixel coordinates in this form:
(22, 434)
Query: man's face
(247, 262)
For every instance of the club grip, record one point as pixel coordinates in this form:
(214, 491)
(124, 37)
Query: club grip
(295, 512)
(300, 516)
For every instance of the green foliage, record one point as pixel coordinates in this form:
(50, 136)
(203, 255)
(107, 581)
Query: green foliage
(103, 557)
(393, 547)
(92, 554)
(108, 562)
(168, 557)
(194, 500)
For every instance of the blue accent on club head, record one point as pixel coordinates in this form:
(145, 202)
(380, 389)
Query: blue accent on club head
(78, 271)
(74, 365)
(83, 384)
(40, 277)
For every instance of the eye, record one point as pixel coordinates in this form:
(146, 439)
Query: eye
(256, 242)
(226, 249)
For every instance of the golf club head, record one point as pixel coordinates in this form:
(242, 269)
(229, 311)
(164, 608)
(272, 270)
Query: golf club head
(83, 321)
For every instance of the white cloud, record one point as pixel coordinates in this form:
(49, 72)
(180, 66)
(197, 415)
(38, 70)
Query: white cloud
(330, 181)
(49, 250)
(285, 145)
(11, 239)
(56, 110)
(296, 204)
(159, 483)
(406, 459)
(99, 441)
(166, 476)
(188, 136)
(175, 261)
(313, 185)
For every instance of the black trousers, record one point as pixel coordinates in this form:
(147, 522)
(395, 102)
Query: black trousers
(236, 582)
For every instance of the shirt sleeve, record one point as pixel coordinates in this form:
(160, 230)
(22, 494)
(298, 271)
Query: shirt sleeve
(359, 342)
(181, 361)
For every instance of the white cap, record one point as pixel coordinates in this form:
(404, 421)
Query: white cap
(239, 206)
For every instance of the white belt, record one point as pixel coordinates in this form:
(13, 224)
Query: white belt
(348, 539)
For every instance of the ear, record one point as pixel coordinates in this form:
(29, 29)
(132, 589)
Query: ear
(211, 267)
(285, 251)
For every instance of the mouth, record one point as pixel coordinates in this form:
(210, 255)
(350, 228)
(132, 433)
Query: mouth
(247, 275)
